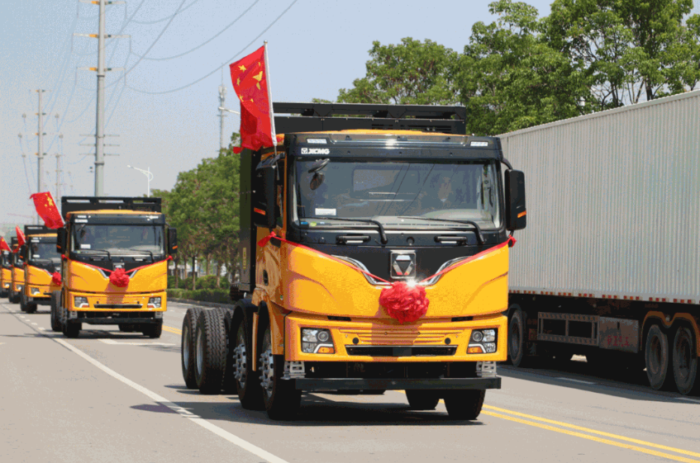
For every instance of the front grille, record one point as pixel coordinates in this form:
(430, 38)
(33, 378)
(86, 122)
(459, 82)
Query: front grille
(118, 306)
(401, 351)
(401, 336)
(116, 315)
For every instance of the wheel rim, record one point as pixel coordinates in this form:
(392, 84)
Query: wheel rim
(199, 352)
(683, 354)
(186, 345)
(267, 365)
(240, 358)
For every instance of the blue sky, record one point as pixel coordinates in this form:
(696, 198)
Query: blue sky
(315, 48)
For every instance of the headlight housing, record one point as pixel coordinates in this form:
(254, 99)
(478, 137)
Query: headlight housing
(35, 291)
(81, 302)
(316, 341)
(154, 303)
(483, 342)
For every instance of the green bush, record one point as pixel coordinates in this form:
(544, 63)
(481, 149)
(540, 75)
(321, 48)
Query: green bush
(205, 295)
(205, 282)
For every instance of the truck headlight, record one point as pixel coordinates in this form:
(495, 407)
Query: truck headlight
(81, 302)
(316, 341)
(35, 291)
(154, 303)
(482, 342)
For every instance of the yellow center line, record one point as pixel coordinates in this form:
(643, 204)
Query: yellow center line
(172, 330)
(593, 438)
(593, 431)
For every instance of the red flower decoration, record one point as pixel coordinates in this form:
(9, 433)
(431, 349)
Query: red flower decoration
(404, 303)
(56, 278)
(119, 278)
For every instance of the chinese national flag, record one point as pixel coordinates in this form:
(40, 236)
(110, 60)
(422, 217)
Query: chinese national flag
(21, 239)
(4, 246)
(249, 77)
(47, 210)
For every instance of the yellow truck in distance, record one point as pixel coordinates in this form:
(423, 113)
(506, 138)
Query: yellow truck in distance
(16, 272)
(347, 212)
(5, 273)
(115, 254)
(41, 261)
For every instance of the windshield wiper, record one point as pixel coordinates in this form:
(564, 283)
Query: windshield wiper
(142, 250)
(380, 226)
(477, 229)
(109, 256)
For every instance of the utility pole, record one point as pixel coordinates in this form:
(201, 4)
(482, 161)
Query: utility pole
(101, 70)
(40, 143)
(222, 115)
(58, 178)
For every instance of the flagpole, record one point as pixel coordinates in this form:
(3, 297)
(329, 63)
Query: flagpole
(269, 98)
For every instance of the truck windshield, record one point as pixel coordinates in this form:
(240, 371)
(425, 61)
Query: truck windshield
(5, 259)
(44, 251)
(350, 189)
(118, 239)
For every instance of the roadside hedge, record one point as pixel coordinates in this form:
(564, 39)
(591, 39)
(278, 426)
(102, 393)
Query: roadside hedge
(205, 295)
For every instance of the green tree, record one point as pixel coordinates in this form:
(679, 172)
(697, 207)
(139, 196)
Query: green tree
(412, 72)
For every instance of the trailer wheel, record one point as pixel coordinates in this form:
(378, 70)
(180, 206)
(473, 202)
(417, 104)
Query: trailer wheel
(517, 340)
(55, 304)
(422, 400)
(656, 358)
(247, 381)
(464, 405)
(281, 399)
(229, 382)
(210, 352)
(685, 361)
(187, 346)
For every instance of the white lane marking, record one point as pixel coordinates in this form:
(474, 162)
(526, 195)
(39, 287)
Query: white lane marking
(576, 380)
(127, 343)
(688, 399)
(232, 438)
(42, 328)
(34, 324)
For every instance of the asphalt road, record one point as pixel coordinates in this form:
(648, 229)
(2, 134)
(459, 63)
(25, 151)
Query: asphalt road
(116, 397)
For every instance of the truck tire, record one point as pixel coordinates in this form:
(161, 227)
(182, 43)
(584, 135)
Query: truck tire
(187, 356)
(71, 330)
(422, 400)
(281, 399)
(464, 405)
(31, 307)
(14, 297)
(210, 352)
(55, 304)
(685, 361)
(656, 358)
(22, 303)
(229, 383)
(153, 331)
(247, 381)
(517, 340)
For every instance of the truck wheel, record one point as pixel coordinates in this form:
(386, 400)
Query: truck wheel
(14, 297)
(71, 330)
(280, 397)
(31, 307)
(464, 405)
(422, 400)
(55, 304)
(210, 352)
(187, 347)
(685, 361)
(656, 358)
(517, 340)
(22, 303)
(153, 331)
(247, 380)
(229, 382)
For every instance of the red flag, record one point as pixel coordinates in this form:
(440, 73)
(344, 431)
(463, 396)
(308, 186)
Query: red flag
(249, 77)
(47, 210)
(21, 239)
(4, 246)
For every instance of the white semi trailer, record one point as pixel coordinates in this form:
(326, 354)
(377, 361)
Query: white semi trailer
(609, 266)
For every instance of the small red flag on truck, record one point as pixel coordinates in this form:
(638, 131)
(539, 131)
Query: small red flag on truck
(21, 239)
(250, 81)
(47, 210)
(4, 246)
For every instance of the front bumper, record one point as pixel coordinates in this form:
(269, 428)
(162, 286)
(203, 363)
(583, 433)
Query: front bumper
(354, 384)
(114, 318)
(124, 302)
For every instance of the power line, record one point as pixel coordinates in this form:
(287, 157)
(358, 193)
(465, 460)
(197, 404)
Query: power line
(207, 41)
(218, 67)
(168, 17)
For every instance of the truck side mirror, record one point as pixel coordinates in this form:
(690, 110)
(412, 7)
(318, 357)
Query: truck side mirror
(61, 240)
(516, 213)
(264, 200)
(172, 241)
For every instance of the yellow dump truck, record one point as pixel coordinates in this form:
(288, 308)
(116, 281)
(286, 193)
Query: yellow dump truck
(5, 273)
(115, 254)
(41, 261)
(346, 223)
(16, 272)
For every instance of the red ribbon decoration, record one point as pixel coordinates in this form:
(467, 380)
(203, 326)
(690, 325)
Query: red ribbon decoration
(119, 278)
(402, 302)
(56, 278)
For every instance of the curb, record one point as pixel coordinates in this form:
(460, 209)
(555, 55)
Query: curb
(201, 303)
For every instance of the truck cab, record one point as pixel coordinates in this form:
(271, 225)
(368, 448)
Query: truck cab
(41, 262)
(5, 273)
(17, 272)
(104, 238)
